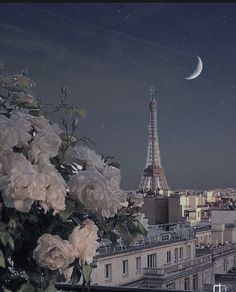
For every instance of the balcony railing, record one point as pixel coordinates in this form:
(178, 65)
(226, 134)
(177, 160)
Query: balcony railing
(222, 249)
(157, 235)
(177, 267)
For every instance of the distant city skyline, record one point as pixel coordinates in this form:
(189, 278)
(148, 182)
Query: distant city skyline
(109, 54)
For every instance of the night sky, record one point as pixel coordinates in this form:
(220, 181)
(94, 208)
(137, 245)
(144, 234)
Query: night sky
(109, 54)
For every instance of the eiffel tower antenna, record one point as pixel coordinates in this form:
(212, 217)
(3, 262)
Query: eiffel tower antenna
(153, 180)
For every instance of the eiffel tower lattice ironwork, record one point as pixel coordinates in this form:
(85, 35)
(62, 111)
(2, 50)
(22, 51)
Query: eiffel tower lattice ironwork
(153, 180)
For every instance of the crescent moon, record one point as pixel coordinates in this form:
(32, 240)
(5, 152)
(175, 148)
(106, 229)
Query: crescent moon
(197, 71)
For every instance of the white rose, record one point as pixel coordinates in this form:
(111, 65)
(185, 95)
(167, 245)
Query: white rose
(99, 193)
(55, 186)
(53, 253)
(44, 143)
(23, 126)
(85, 156)
(20, 182)
(46, 140)
(41, 123)
(8, 134)
(84, 241)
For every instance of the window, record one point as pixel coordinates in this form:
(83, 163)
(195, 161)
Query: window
(165, 237)
(108, 272)
(170, 286)
(186, 283)
(152, 260)
(181, 252)
(188, 251)
(195, 282)
(168, 256)
(224, 265)
(125, 267)
(138, 264)
(176, 255)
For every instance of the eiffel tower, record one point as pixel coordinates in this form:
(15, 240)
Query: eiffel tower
(153, 181)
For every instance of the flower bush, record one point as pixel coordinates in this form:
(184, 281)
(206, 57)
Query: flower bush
(58, 197)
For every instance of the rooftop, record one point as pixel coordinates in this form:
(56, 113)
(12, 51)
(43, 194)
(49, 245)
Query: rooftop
(157, 235)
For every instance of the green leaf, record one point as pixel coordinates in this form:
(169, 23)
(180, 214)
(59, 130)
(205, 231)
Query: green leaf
(12, 223)
(34, 276)
(112, 224)
(2, 260)
(80, 112)
(126, 236)
(70, 208)
(65, 136)
(75, 123)
(33, 218)
(79, 207)
(27, 287)
(51, 287)
(87, 270)
(133, 229)
(76, 275)
(2, 226)
(4, 237)
(11, 242)
(113, 237)
(142, 229)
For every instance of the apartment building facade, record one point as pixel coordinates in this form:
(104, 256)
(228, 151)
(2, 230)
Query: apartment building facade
(164, 261)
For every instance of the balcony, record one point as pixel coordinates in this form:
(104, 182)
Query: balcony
(193, 263)
(223, 249)
(216, 251)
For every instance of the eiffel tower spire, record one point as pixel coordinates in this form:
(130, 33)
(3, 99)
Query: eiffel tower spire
(153, 180)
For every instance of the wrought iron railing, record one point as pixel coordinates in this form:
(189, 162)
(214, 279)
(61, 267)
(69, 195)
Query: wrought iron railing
(158, 234)
(177, 267)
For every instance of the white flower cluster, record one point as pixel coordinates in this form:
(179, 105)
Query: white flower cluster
(28, 175)
(54, 253)
(136, 199)
(97, 187)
